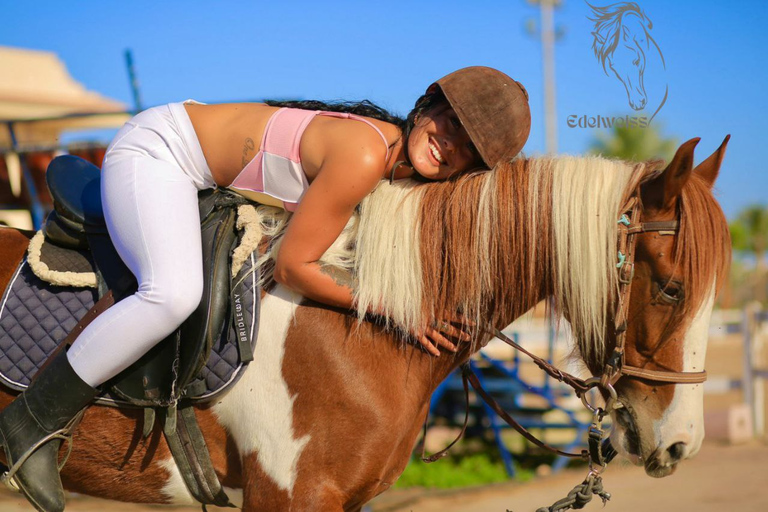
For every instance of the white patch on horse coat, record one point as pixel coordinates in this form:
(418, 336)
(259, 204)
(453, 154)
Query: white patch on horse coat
(683, 421)
(381, 247)
(176, 490)
(258, 411)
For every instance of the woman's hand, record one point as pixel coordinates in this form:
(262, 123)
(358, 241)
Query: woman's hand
(437, 335)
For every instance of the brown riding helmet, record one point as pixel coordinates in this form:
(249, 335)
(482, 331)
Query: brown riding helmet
(492, 107)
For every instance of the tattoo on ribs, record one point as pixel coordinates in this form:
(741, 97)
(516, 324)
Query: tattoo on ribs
(249, 146)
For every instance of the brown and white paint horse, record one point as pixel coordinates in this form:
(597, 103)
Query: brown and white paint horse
(327, 415)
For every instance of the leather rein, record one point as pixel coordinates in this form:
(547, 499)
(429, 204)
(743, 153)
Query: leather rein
(629, 226)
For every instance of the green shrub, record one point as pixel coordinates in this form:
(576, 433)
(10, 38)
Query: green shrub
(447, 473)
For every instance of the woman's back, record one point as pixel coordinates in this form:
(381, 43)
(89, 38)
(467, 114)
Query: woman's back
(231, 134)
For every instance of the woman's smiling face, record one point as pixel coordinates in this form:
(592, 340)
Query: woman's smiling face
(439, 146)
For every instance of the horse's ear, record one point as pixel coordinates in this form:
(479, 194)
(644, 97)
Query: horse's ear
(662, 192)
(709, 168)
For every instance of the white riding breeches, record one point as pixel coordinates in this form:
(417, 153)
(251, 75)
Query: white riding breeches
(151, 175)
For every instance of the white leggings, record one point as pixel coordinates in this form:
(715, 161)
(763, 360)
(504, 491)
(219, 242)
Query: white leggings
(151, 175)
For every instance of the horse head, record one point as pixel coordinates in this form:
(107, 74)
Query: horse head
(659, 424)
(621, 40)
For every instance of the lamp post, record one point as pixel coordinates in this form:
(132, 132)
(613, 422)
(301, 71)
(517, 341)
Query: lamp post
(548, 37)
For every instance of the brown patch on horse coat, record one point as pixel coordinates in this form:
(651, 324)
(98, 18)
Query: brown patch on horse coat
(361, 440)
(13, 247)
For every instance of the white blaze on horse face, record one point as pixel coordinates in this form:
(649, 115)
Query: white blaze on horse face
(683, 421)
(258, 411)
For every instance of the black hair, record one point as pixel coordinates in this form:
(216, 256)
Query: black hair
(366, 108)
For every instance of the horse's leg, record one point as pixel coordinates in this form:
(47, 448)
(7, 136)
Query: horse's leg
(260, 492)
(332, 450)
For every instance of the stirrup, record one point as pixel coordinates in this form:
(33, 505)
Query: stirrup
(8, 478)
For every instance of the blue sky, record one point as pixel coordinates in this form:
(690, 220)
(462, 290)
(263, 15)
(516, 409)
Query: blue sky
(388, 52)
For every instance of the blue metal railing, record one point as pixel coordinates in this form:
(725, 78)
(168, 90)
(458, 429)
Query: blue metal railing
(503, 379)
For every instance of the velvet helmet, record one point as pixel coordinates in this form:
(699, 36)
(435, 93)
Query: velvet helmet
(492, 107)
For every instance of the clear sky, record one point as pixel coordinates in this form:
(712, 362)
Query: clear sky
(388, 52)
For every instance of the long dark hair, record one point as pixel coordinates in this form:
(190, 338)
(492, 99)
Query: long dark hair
(366, 108)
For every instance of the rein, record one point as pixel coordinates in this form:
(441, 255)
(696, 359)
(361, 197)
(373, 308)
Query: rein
(599, 452)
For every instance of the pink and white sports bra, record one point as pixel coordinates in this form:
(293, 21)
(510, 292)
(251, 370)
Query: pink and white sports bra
(275, 176)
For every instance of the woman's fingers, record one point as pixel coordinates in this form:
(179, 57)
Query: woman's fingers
(427, 344)
(432, 339)
(454, 332)
(440, 340)
(447, 328)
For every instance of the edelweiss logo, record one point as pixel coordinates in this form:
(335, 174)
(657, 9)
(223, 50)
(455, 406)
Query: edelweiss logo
(624, 46)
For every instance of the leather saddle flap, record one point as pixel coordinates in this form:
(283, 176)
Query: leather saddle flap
(160, 377)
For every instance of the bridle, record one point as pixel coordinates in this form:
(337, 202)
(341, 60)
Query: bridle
(599, 451)
(616, 367)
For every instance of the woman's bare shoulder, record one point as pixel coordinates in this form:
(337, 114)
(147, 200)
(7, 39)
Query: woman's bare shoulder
(330, 141)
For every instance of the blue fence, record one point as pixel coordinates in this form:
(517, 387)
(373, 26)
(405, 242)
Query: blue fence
(505, 382)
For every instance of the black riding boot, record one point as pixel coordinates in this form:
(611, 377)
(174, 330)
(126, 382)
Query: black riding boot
(51, 401)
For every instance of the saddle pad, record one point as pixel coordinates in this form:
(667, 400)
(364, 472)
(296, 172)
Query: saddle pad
(60, 266)
(36, 316)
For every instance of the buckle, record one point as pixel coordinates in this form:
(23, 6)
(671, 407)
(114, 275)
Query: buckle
(626, 272)
(609, 402)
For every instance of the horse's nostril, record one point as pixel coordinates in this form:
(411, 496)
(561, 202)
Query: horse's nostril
(676, 451)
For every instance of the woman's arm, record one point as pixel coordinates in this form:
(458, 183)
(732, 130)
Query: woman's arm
(345, 178)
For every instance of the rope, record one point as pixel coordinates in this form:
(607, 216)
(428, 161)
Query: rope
(580, 495)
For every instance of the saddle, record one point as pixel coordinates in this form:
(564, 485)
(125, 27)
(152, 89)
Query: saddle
(167, 378)
(168, 372)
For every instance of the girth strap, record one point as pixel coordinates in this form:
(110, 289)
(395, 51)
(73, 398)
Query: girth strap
(193, 459)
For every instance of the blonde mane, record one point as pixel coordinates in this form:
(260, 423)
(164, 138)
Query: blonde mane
(379, 247)
(526, 229)
(490, 244)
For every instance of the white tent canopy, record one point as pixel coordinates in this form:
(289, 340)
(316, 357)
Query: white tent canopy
(35, 88)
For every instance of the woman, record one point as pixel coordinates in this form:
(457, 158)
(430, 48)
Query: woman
(318, 164)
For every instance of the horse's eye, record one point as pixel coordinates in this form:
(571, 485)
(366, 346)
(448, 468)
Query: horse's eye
(669, 292)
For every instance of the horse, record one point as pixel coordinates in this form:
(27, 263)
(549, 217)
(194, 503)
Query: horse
(622, 42)
(328, 413)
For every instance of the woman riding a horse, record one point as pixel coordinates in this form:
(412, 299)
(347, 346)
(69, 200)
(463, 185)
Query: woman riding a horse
(318, 161)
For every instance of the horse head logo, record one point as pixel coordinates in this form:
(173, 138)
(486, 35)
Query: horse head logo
(623, 43)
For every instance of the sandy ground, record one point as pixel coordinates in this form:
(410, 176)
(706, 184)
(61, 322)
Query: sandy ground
(721, 477)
